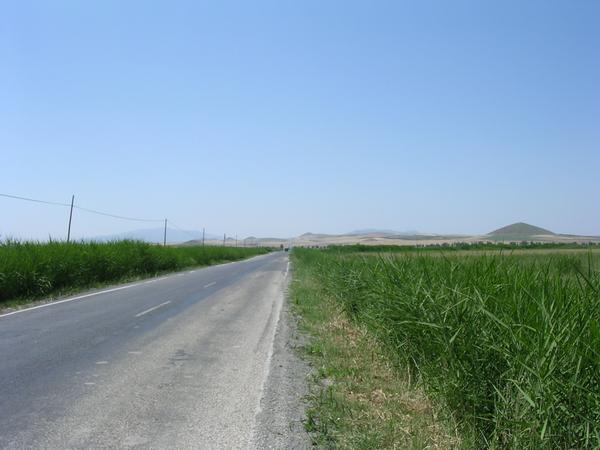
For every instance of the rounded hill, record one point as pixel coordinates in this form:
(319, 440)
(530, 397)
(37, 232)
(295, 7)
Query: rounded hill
(520, 229)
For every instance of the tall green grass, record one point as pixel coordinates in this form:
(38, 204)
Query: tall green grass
(509, 344)
(30, 270)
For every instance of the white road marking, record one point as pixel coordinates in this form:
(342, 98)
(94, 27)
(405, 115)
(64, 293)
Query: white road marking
(210, 284)
(89, 384)
(135, 352)
(79, 297)
(101, 362)
(152, 309)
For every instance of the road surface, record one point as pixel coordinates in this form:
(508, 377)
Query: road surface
(173, 362)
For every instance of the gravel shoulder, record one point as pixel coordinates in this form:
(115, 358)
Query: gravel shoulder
(281, 416)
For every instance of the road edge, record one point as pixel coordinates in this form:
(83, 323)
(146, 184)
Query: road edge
(281, 417)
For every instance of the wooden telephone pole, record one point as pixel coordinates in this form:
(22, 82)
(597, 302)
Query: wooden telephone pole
(165, 235)
(70, 219)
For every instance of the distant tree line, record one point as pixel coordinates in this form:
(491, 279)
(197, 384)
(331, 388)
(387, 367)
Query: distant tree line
(480, 245)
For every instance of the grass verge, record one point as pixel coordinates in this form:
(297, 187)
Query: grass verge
(358, 399)
(30, 270)
(507, 344)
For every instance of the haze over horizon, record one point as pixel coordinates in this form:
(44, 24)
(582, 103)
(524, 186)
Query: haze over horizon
(271, 119)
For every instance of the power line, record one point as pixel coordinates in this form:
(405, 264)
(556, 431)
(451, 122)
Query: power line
(181, 229)
(34, 200)
(92, 211)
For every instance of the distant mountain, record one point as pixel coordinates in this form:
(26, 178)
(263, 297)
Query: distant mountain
(520, 230)
(315, 235)
(266, 239)
(155, 235)
(382, 231)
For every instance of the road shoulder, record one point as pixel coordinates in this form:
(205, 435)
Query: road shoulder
(359, 397)
(281, 416)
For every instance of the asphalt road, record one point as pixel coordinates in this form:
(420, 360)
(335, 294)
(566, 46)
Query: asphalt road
(173, 362)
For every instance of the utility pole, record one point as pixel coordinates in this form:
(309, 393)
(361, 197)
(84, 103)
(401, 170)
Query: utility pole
(223, 239)
(236, 240)
(165, 235)
(70, 219)
(202, 237)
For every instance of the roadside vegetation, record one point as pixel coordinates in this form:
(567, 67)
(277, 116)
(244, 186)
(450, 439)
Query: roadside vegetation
(359, 399)
(470, 246)
(30, 270)
(505, 346)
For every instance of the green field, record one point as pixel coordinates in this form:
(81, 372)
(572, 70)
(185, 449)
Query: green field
(506, 345)
(32, 270)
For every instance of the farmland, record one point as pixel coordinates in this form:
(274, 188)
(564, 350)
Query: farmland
(504, 344)
(31, 270)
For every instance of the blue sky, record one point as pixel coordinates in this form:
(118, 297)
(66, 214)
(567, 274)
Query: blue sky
(278, 118)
